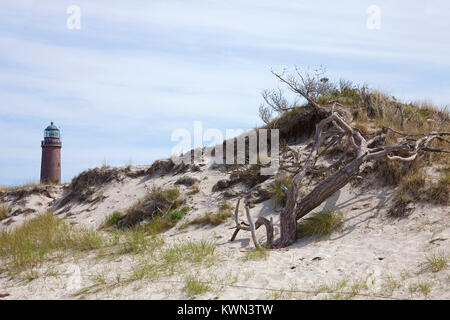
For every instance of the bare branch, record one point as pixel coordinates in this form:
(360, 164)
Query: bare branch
(248, 227)
(252, 227)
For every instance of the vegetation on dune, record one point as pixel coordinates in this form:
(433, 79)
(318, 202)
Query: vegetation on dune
(4, 210)
(28, 245)
(439, 192)
(416, 186)
(320, 224)
(423, 287)
(194, 286)
(371, 114)
(215, 219)
(112, 220)
(160, 207)
(20, 187)
(194, 190)
(174, 258)
(259, 253)
(434, 263)
(45, 237)
(277, 192)
(190, 251)
(85, 185)
(135, 241)
(249, 175)
(162, 222)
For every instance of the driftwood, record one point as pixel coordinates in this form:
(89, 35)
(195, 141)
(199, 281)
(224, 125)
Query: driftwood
(297, 206)
(252, 227)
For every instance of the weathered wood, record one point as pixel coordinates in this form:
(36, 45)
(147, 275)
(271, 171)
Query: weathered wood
(252, 227)
(268, 224)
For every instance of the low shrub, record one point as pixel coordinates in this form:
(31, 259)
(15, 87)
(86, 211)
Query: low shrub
(157, 203)
(215, 219)
(320, 224)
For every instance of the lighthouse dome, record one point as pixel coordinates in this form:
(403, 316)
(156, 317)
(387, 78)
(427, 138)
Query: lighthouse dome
(51, 131)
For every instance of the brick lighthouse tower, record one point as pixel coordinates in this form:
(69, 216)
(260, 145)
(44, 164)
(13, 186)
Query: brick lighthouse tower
(51, 155)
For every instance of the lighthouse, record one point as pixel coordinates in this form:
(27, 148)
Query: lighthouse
(51, 155)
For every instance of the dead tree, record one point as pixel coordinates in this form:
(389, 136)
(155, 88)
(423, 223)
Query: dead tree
(252, 227)
(297, 206)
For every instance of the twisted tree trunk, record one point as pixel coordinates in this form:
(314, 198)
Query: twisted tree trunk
(295, 210)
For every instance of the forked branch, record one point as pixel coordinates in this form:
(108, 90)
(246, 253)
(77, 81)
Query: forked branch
(268, 224)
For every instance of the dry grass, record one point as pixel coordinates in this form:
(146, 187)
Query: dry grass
(187, 181)
(422, 287)
(194, 286)
(320, 224)
(277, 193)
(215, 219)
(416, 186)
(412, 186)
(290, 121)
(200, 253)
(112, 220)
(256, 254)
(20, 187)
(209, 218)
(389, 285)
(135, 241)
(28, 245)
(162, 222)
(4, 210)
(86, 184)
(440, 192)
(392, 172)
(145, 270)
(250, 175)
(434, 263)
(194, 190)
(176, 258)
(156, 204)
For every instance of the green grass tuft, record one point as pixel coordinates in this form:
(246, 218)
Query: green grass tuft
(434, 263)
(320, 224)
(193, 287)
(202, 252)
(423, 287)
(137, 241)
(112, 220)
(277, 193)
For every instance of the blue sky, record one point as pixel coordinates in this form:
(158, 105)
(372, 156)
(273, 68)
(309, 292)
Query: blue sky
(137, 70)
